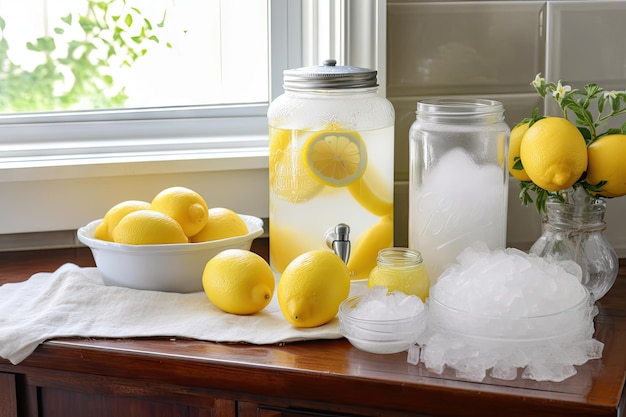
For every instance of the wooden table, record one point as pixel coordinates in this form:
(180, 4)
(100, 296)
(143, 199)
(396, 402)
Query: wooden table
(173, 377)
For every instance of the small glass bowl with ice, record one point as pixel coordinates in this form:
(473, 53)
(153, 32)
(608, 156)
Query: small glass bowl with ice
(382, 322)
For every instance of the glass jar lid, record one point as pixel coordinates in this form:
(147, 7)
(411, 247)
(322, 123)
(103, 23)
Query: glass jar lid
(329, 76)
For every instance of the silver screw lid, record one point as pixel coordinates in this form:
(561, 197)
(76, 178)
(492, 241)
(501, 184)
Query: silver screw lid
(329, 76)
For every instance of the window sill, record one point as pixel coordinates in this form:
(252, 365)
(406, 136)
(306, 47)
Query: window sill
(62, 193)
(85, 165)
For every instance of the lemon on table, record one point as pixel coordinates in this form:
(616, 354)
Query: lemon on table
(223, 223)
(365, 250)
(113, 216)
(238, 281)
(185, 206)
(335, 157)
(554, 153)
(607, 162)
(515, 141)
(148, 227)
(312, 287)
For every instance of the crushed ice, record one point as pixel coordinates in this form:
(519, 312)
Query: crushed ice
(497, 311)
(378, 304)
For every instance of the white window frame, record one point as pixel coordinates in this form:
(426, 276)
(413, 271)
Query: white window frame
(59, 171)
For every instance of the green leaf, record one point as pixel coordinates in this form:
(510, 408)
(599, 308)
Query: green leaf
(594, 187)
(102, 5)
(2, 23)
(128, 20)
(540, 202)
(86, 24)
(517, 165)
(601, 101)
(59, 31)
(585, 132)
(108, 80)
(615, 105)
(612, 131)
(44, 44)
(67, 19)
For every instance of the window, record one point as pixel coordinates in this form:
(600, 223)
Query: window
(86, 54)
(175, 94)
(63, 169)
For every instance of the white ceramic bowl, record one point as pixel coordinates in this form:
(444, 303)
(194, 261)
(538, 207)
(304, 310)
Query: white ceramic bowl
(379, 336)
(172, 268)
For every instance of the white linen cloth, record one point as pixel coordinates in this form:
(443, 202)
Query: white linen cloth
(74, 302)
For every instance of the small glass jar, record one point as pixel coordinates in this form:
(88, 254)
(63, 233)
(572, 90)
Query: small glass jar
(574, 230)
(400, 269)
(458, 179)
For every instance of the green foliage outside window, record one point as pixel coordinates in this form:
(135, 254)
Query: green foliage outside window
(78, 74)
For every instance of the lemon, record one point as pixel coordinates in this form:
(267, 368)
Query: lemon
(148, 227)
(185, 206)
(285, 246)
(372, 193)
(335, 157)
(515, 141)
(554, 153)
(366, 247)
(279, 141)
(238, 281)
(289, 179)
(607, 162)
(312, 287)
(223, 223)
(113, 216)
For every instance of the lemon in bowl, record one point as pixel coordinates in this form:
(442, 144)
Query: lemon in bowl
(171, 267)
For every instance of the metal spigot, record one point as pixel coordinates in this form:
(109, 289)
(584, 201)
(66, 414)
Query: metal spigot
(338, 239)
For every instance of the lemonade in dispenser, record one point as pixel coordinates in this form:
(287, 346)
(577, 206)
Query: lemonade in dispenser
(331, 152)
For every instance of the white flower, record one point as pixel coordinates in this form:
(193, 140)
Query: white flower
(538, 81)
(561, 90)
(610, 94)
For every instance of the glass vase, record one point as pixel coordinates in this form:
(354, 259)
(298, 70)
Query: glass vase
(574, 230)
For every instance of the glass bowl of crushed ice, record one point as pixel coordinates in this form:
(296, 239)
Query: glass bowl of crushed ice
(497, 311)
(382, 322)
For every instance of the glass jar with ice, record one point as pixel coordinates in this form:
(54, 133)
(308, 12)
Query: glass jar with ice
(458, 183)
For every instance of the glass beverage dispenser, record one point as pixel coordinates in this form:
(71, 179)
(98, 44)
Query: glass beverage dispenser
(331, 150)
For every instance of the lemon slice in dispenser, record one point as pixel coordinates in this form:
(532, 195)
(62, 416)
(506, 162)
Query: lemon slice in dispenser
(373, 193)
(288, 177)
(335, 157)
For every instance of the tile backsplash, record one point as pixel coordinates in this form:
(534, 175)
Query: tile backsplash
(494, 49)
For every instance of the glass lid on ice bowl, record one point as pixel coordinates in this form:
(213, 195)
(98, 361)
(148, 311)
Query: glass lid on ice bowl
(327, 76)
